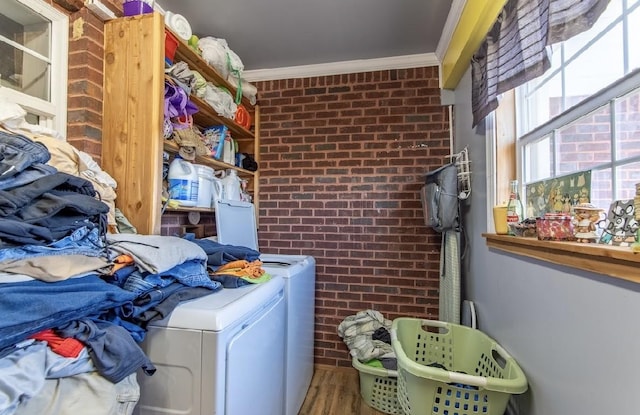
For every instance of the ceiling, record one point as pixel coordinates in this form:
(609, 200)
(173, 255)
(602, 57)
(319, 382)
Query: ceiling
(274, 34)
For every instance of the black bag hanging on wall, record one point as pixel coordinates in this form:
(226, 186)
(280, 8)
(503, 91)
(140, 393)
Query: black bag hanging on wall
(439, 198)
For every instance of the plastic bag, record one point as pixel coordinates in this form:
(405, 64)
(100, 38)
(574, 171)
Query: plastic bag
(220, 100)
(216, 52)
(249, 91)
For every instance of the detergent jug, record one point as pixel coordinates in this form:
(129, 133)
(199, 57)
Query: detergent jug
(231, 183)
(205, 186)
(217, 190)
(183, 182)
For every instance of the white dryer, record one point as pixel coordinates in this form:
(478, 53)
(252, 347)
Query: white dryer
(222, 354)
(236, 225)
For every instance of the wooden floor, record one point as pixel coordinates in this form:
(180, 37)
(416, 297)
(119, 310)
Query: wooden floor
(335, 391)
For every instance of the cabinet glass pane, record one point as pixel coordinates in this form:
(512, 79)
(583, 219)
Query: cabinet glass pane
(25, 48)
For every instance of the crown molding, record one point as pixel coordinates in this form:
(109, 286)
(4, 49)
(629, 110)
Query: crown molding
(457, 6)
(345, 67)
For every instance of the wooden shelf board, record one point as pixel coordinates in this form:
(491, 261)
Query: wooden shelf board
(207, 116)
(173, 148)
(190, 209)
(614, 261)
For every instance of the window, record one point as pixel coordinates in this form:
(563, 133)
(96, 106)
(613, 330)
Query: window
(33, 60)
(584, 113)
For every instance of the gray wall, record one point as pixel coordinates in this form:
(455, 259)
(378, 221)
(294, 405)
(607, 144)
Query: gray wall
(575, 334)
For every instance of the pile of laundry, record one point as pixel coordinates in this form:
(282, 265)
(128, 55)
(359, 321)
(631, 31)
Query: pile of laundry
(76, 298)
(367, 335)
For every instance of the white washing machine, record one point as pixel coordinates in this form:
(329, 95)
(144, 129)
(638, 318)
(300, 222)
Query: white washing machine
(236, 225)
(222, 354)
(299, 273)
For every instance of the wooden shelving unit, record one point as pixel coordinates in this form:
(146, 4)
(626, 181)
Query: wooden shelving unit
(132, 142)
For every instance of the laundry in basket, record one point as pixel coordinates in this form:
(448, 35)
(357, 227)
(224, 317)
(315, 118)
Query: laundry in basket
(358, 331)
(367, 335)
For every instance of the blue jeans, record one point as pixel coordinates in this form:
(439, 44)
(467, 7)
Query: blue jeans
(191, 273)
(29, 307)
(17, 153)
(30, 174)
(83, 241)
(49, 209)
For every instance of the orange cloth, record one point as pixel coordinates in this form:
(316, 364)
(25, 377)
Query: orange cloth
(66, 347)
(241, 268)
(121, 261)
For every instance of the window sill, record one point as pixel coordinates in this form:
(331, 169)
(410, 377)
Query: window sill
(614, 261)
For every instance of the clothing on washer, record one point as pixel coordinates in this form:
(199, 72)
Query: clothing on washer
(229, 281)
(220, 254)
(155, 253)
(249, 271)
(86, 394)
(49, 209)
(55, 267)
(25, 370)
(191, 273)
(114, 353)
(120, 276)
(31, 306)
(159, 303)
(64, 346)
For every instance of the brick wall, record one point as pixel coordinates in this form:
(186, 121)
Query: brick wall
(84, 95)
(342, 161)
(177, 224)
(86, 51)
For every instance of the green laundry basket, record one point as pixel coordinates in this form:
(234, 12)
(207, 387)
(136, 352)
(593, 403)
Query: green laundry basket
(378, 387)
(449, 369)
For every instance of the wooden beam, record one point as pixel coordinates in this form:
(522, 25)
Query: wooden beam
(477, 17)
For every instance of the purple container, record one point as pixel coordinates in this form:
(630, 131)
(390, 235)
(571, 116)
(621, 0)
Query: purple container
(133, 8)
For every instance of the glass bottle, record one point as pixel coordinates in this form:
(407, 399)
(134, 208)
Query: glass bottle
(514, 207)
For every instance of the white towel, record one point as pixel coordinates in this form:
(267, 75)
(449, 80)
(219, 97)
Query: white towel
(178, 24)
